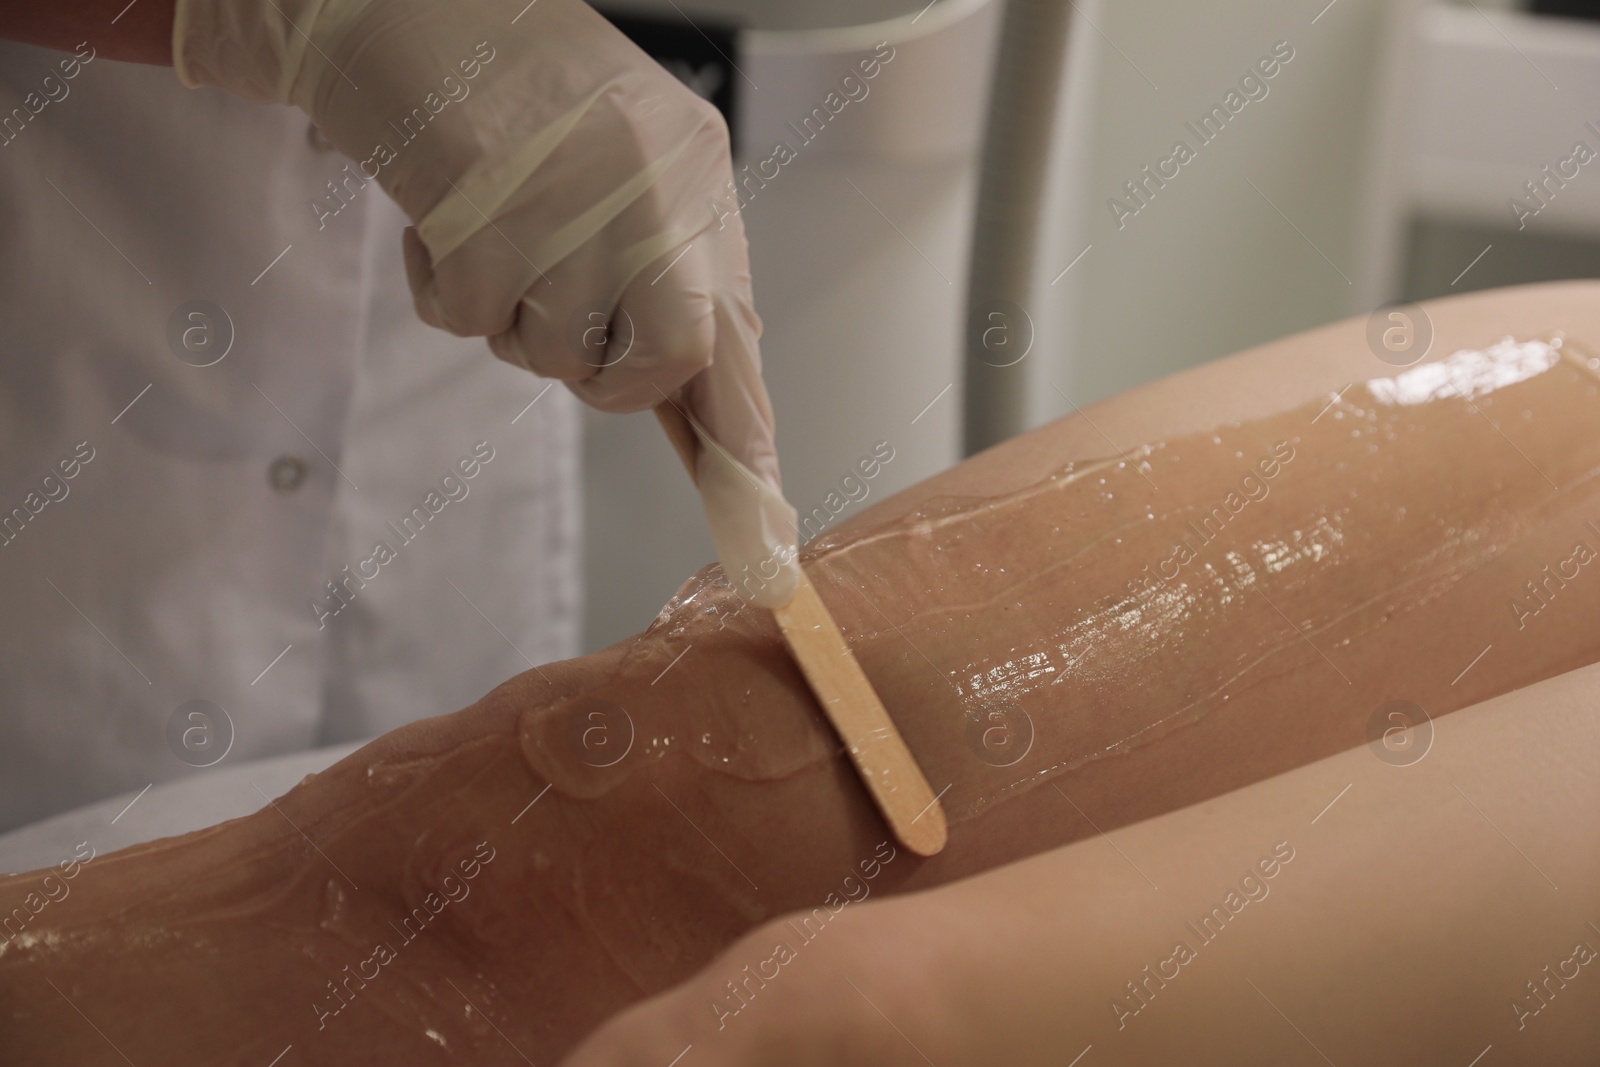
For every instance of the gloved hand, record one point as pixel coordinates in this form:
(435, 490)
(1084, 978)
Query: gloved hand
(571, 201)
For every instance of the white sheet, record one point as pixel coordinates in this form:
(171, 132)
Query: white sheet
(167, 809)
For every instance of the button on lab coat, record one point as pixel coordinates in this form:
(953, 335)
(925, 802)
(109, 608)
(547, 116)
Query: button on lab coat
(346, 522)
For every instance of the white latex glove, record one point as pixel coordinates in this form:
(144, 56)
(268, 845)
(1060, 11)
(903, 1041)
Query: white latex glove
(560, 182)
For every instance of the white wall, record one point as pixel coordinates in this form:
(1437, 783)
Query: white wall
(1209, 266)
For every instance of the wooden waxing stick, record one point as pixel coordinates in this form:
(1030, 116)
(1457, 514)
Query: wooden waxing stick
(892, 777)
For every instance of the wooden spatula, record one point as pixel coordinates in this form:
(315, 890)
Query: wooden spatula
(892, 777)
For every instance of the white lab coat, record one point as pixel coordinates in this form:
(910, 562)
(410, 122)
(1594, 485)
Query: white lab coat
(187, 557)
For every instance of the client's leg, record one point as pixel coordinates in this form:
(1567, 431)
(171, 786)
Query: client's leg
(1067, 635)
(1336, 913)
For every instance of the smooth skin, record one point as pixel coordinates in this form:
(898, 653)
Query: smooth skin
(137, 32)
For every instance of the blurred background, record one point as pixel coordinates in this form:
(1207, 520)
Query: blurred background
(1386, 160)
